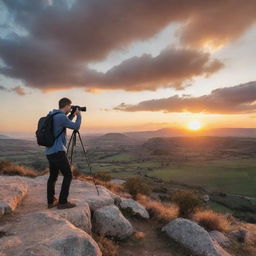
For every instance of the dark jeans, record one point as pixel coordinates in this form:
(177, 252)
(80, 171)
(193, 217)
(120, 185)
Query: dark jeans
(58, 161)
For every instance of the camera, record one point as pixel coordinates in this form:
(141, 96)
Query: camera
(73, 109)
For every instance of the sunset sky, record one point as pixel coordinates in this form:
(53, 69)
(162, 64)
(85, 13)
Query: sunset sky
(135, 65)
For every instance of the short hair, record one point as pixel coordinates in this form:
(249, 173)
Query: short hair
(64, 102)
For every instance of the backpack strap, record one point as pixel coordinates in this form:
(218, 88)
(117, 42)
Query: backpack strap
(62, 129)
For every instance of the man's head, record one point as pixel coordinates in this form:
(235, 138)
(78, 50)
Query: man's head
(65, 105)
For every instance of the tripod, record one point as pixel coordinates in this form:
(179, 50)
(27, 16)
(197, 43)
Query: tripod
(73, 140)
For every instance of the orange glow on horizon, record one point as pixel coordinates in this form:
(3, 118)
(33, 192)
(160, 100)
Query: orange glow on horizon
(194, 125)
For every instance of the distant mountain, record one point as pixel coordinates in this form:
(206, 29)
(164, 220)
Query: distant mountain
(111, 139)
(3, 137)
(172, 132)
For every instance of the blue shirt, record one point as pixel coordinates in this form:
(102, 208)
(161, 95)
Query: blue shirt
(61, 121)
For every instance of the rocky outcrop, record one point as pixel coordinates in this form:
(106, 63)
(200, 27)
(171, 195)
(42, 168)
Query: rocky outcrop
(37, 230)
(12, 191)
(109, 221)
(45, 233)
(193, 237)
(134, 207)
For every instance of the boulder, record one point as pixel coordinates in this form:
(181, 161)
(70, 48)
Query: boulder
(117, 199)
(45, 233)
(134, 207)
(220, 238)
(193, 237)
(79, 216)
(109, 221)
(12, 191)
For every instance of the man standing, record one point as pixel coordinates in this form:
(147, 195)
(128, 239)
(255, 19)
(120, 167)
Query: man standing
(57, 154)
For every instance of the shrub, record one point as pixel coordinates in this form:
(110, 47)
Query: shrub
(187, 202)
(107, 246)
(134, 185)
(211, 220)
(75, 171)
(103, 176)
(162, 212)
(9, 168)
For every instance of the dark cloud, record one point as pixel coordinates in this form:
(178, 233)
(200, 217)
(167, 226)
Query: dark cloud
(62, 39)
(171, 68)
(228, 100)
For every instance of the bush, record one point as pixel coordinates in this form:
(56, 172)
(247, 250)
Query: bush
(102, 176)
(187, 202)
(211, 220)
(135, 185)
(159, 211)
(107, 246)
(9, 168)
(75, 171)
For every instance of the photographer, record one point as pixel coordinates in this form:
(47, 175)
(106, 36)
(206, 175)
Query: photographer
(57, 154)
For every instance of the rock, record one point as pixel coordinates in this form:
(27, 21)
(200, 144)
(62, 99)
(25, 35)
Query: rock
(117, 181)
(109, 221)
(206, 198)
(117, 199)
(193, 237)
(79, 216)
(135, 207)
(244, 236)
(80, 192)
(220, 238)
(12, 190)
(45, 233)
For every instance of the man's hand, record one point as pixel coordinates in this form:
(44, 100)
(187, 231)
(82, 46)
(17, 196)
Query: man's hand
(77, 112)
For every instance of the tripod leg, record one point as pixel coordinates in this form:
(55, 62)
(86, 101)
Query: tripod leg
(72, 147)
(88, 162)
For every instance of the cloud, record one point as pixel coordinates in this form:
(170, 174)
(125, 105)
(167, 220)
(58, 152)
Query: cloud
(173, 67)
(18, 89)
(238, 99)
(62, 39)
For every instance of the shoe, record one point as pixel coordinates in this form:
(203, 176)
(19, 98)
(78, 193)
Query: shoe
(66, 205)
(55, 203)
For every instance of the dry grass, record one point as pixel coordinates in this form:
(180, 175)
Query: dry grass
(239, 249)
(211, 220)
(9, 168)
(138, 235)
(107, 246)
(162, 212)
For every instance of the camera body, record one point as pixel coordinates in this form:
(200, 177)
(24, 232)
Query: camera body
(73, 109)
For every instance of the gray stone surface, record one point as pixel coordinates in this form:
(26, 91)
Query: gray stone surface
(220, 238)
(12, 190)
(45, 233)
(109, 221)
(135, 207)
(193, 237)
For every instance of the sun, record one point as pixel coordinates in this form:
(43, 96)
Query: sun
(194, 125)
